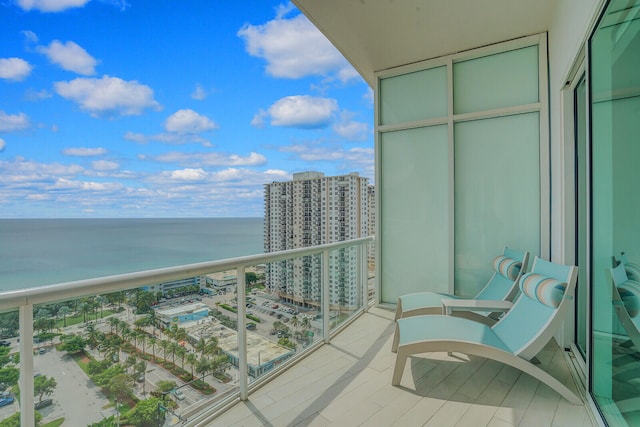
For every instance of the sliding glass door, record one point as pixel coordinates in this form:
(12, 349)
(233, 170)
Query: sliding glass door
(615, 176)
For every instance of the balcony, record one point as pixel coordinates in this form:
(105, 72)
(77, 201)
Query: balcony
(272, 371)
(95, 350)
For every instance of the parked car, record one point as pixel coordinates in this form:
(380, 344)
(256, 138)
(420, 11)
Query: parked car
(179, 395)
(4, 343)
(140, 378)
(4, 401)
(43, 403)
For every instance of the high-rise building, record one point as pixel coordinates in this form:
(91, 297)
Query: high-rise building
(313, 210)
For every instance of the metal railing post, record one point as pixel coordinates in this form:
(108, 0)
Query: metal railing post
(362, 250)
(325, 297)
(27, 412)
(243, 371)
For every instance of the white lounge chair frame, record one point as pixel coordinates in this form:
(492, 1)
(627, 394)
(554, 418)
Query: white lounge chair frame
(425, 334)
(496, 288)
(619, 275)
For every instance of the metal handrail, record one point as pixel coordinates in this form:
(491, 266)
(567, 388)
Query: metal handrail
(59, 292)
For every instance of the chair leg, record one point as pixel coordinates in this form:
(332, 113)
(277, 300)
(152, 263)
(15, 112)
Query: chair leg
(398, 310)
(398, 370)
(396, 339)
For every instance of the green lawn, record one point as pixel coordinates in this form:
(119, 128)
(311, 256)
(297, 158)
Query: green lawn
(79, 318)
(54, 423)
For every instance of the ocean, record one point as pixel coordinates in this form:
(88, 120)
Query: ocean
(36, 252)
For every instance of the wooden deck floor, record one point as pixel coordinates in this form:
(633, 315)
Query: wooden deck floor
(348, 383)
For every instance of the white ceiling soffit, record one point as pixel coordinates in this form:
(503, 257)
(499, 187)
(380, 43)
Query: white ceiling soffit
(376, 35)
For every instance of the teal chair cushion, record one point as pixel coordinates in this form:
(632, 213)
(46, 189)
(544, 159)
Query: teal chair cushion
(543, 289)
(508, 267)
(629, 292)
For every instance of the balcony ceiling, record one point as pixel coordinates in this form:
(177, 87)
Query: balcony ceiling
(376, 35)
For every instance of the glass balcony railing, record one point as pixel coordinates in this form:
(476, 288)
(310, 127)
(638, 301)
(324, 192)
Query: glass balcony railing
(175, 345)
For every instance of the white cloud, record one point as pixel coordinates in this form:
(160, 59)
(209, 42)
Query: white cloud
(108, 95)
(2, 145)
(13, 122)
(70, 56)
(294, 48)
(258, 119)
(104, 165)
(188, 121)
(15, 69)
(189, 175)
(84, 152)
(70, 184)
(210, 159)
(30, 36)
(302, 111)
(199, 93)
(350, 129)
(135, 137)
(354, 159)
(33, 95)
(50, 5)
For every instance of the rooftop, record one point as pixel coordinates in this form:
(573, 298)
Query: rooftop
(354, 372)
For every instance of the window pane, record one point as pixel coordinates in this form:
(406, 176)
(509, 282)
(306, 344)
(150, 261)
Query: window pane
(496, 81)
(415, 96)
(414, 211)
(615, 49)
(497, 194)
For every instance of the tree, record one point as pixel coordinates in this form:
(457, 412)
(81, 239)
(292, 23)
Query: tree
(72, 343)
(43, 385)
(121, 386)
(192, 359)
(63, 311)
(250, 278)
(9, 375)
(152, 342)
(130, 362)
(204, 366)
(145, 413)
(164, 345)
(182, 353)
(165, 386)
(173, 349)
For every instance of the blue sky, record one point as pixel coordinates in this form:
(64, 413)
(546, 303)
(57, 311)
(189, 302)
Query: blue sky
(160, 108)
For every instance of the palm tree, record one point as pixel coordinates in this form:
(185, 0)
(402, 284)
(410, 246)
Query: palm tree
(182, 352)
(84, 308)
(173, 349)
(164, 345)
(152, 342)
(64, 310)
(201, 346)
(192, 359)
(101, 300)
(113, 323)
(130, 362)
(142, 339)
(204, 366)
(212, 346)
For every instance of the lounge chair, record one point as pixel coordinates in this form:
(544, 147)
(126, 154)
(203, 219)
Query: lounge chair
(626, 300)
(547, 294)
(503, 285)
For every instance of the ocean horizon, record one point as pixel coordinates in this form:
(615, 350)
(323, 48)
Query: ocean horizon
(37, 252)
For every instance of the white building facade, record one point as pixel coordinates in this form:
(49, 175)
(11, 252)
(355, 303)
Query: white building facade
(313, 210)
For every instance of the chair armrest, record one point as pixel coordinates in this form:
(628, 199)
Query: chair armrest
(450, 305)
